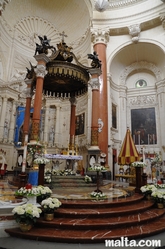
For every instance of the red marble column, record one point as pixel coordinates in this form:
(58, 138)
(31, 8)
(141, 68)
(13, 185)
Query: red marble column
(73, 102)
(100, 39)
(94, 83)
(40, 74)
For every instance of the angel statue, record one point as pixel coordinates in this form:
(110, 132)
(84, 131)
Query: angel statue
(44, 46)
(95, 60)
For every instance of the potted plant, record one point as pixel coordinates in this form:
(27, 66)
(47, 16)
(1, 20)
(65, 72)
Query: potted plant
(159, 198)
(26, 215)
(48, 207)
(44, 192)
(29, 192)
(147, 190)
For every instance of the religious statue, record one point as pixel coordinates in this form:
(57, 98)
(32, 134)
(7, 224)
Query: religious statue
(44, 46)
(96, 63)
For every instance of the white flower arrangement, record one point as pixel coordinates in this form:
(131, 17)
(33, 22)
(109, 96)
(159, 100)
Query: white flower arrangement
(158, 196)
(97, 167)
(138, 164)
(157, 159)
(50, 204)
(23, 191)
(98, 195)
(33, 191)
(148, 189)
(41, 160)
(87, 179)
(27, 213)
(44, 190)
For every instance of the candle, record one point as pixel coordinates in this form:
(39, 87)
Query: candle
(134, 138)
(139, 139)
(153, 139)
(148, 139)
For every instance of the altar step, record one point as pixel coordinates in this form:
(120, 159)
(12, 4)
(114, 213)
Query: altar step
(89, 221)
(70, 181)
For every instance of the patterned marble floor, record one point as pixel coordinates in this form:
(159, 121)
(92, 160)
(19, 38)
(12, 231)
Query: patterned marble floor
(109, 188)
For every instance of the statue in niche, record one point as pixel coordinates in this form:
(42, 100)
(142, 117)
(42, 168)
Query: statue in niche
(51, 135)
(6, 129)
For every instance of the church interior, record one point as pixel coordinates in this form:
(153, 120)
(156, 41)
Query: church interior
(82, 107)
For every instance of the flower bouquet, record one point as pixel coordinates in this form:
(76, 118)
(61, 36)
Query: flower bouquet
(41, 160)
(26, 214)
(97, 167)
(138, 164)
(148, 189)
(158, 196)
(98, 195)
(88, 179)
(27, 191)
(44, 192)
(50, 204)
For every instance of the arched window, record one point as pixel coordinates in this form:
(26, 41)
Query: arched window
(141, 83)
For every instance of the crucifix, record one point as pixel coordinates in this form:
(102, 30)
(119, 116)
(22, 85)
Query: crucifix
(63, 35)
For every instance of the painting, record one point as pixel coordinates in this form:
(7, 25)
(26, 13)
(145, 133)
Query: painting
(114, 118)
(80, 123)
(144, 126)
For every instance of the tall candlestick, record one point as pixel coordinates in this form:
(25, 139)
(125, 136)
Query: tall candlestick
(148, 139)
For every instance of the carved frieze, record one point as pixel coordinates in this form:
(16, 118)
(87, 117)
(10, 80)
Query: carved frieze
(141, 100)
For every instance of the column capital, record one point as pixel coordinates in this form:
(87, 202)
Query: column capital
(28, 92)
(42, 58)
(28, 82)
(40, 71)
(100, 36)
(73, 101)
(94, 83)
(95, 71)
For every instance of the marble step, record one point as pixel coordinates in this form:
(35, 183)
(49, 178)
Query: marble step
(104, 222)
(110, 202)
(91, 236)
(108, 211)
